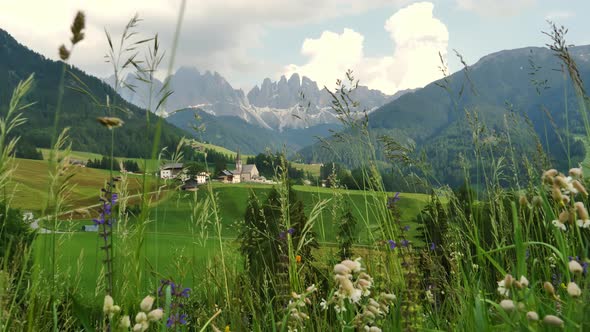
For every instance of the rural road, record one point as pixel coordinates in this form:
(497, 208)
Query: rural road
(36, 227)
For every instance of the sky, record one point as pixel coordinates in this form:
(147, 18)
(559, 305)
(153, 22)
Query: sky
(390, 45)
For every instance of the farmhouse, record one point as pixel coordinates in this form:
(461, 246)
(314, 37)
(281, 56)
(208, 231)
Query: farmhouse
(172, 171)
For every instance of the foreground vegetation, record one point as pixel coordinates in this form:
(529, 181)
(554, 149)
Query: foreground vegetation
(510, 255)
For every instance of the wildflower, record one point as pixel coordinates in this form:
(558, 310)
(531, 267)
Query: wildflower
(405, 243)
(147, 303)
(324, 304)
(155, 315)
(406, 228)
(505, 284)
(576, 173)
(553, 321)
(549, 175)
(341, 269)
(392, 244)
(532, 316)
(581, 210)
(507, 305)
(298, 259)
(125, 322)
(291, 231)
(110, 122)
(138, 327)
(140, 317)
(579, 187)
(432, 246)
(226, 329)
(392, 200)
(574, 266)
(559, 225)
(176, 319)
(573, 289)
(549, 288)
(354, 266)
(108, 304)
(524, 281)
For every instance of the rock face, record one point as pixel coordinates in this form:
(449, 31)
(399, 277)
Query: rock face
(296, 102)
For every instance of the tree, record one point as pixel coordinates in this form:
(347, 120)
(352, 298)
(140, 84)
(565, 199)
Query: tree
(14, 232)
(345, 235)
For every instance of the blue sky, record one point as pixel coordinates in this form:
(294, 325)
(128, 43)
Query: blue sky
(390, 44)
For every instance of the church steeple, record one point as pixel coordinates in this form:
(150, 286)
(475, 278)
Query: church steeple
(238, 162)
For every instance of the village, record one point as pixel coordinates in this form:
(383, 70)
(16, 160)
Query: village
(190, 182)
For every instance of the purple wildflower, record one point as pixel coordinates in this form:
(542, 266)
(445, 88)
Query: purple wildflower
(405, 243)
(176, 319)
(391, 200)
(291, 231)
(432, 246)
(406, 228)
(392, 244)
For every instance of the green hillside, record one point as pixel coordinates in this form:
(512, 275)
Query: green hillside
(510, 99)
(78, 112)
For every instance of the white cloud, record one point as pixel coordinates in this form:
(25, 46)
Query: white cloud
(417, 36)
(495, 7)
(559, 15)
(216, 35)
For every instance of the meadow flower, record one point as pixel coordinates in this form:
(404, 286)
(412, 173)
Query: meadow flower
(559, 225)
(354, 266)
(521, 283)
(392, 200)
(579, 187)
(532, 316)
(432, 246)
(108, 304)
(574, 266)
(553, 321)
(291, 231)
(392, 244)
(504, 285)
(507, 305)
(341, 269)
(548, 176)
(573, 289)
(140, 317)
(147, 303)
(125, 322)
(155, 315)
(576, 172)
(406, 228)
(405, 243)
(176, 319)
(549, 288)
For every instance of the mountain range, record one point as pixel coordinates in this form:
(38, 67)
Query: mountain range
(519, 99)
(293, 103)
